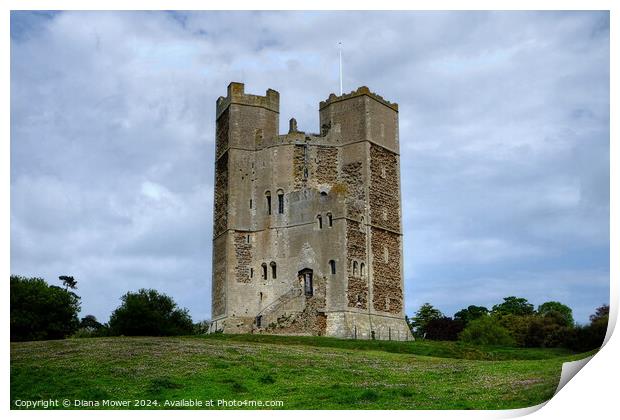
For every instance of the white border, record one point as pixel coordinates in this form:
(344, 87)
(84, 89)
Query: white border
(591, 394)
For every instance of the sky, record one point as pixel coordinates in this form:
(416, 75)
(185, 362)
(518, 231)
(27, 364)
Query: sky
(504, 136)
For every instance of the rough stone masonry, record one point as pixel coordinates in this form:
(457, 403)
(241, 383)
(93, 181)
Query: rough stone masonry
(307, 232)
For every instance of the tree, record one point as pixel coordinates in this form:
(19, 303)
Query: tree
(149, 312)
(597, 329)
(68, 281)
(486, 330)
(40, 311)
(513, 306)
(90, 323)
(589, 337)
(601, 314)
(444, 328)
(470, 313)
(421, 318)
(556, 308)
(518, 326)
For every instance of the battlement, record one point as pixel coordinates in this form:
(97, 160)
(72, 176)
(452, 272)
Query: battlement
(361, 91)
(236, 95)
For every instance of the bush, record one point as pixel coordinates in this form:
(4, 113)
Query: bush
(589, 337)
(202, 327)
(444, 328)
(148, 312)
(40, 311)
(518, 326)
(486, 330)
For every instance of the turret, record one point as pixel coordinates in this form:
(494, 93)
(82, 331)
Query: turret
(361, 115)
(251, 119)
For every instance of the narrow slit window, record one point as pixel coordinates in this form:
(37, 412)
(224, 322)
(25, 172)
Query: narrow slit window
(281, 202)
(362, 269)
(320, 220)
(332, 266)
(273, 270)
(264, 266)
(354, 268)
(330, 220)
(268, 196)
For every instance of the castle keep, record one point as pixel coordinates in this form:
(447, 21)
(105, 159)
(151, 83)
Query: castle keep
(307, 235)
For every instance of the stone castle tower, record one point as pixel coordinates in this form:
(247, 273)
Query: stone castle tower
(307, 235)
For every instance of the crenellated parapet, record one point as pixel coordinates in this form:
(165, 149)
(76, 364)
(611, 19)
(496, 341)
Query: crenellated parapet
(361, 91)
(236, 95)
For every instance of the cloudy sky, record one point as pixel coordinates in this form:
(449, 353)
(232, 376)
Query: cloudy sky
(504, 130)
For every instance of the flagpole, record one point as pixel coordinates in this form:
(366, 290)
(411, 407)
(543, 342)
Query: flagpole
(340, 59)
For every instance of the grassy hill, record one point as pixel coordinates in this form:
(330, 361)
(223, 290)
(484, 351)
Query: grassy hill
(302, 372)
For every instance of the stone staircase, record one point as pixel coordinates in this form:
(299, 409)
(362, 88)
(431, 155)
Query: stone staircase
(270, 313)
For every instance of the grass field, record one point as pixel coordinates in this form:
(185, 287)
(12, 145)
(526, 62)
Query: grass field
(302, 372)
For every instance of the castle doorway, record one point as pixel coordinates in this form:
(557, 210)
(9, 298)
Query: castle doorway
(305, 276)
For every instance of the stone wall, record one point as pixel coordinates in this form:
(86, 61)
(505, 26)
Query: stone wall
(327, 165)
(384, 196)
(351, 177)
(299, 165)
(387, 293)
(221, 133)
(243, 255)
(218, 287)
(220, 207)
(357, 285)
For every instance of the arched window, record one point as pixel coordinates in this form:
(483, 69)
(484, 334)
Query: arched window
(330, 220)
(354, 268)
(273, 269)
(332, 266)
(320, 220)
(280, 202)
(268, 196)
(264, 267)
(361, 269)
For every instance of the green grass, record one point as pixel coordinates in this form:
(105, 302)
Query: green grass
(451, 349)
(303, 372)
